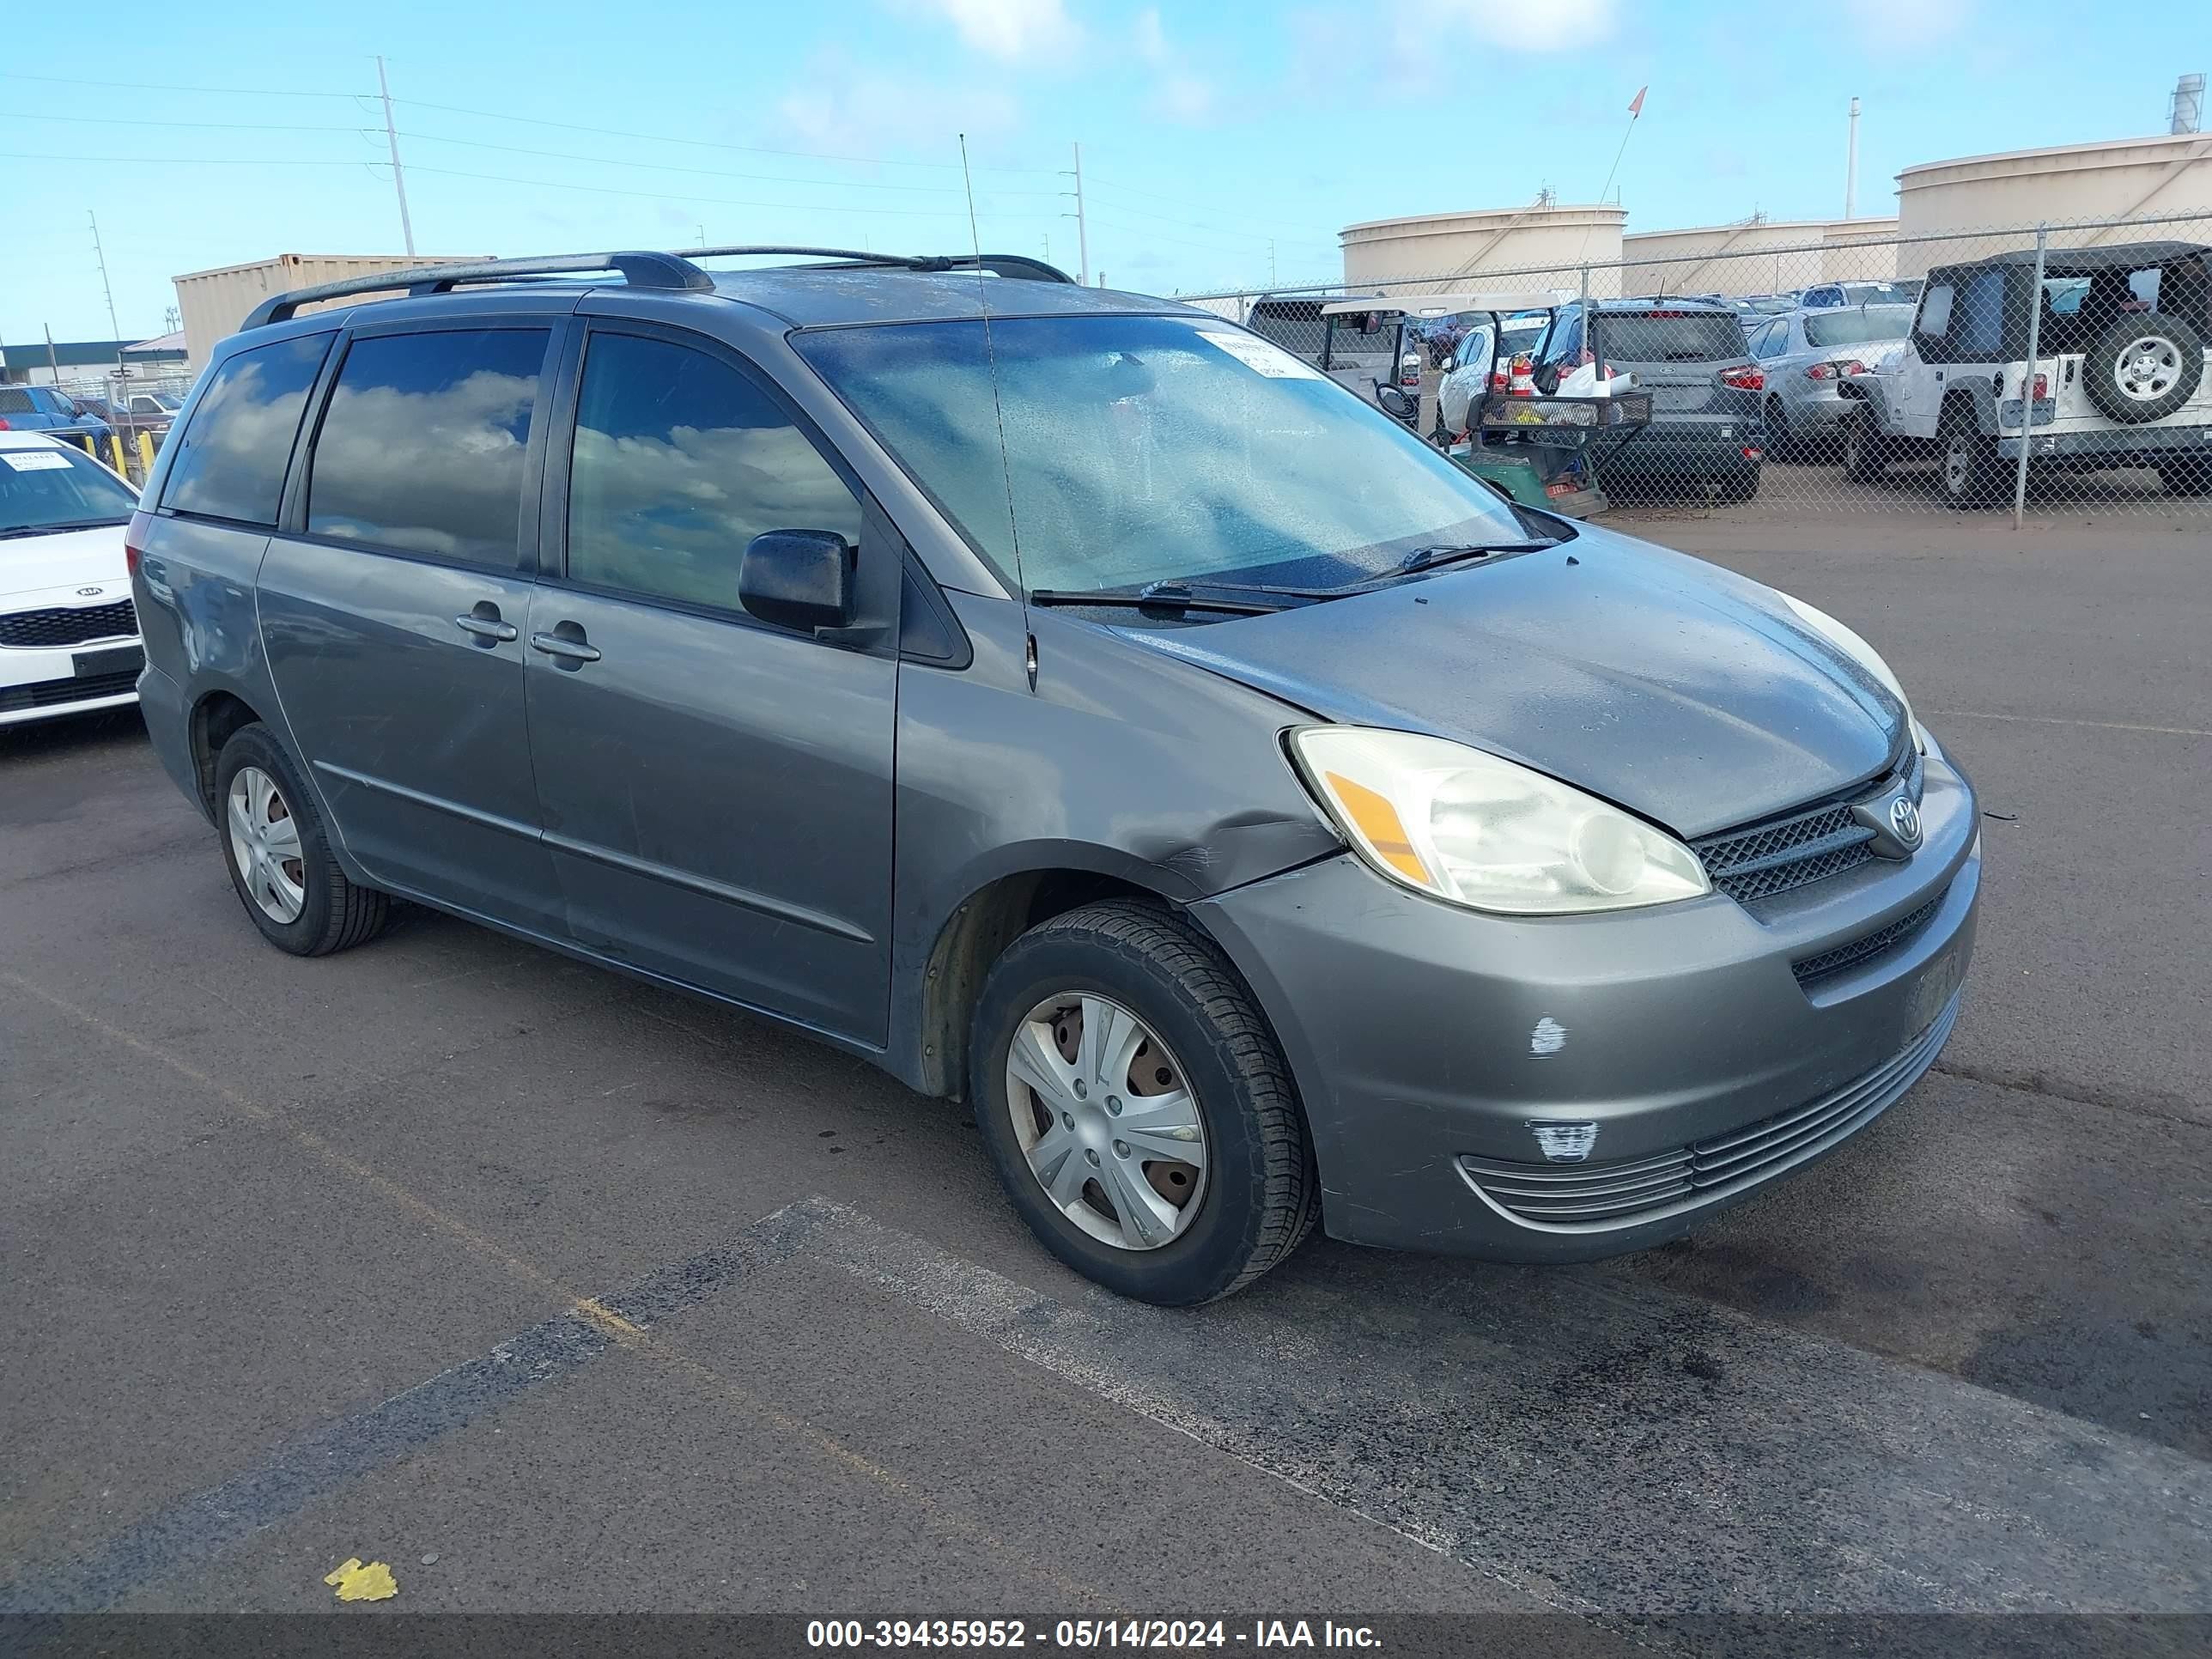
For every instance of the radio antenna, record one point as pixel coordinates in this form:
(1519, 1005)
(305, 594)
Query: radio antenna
(999, 413)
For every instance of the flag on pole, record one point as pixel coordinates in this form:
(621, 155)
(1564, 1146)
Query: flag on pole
(1635, 104)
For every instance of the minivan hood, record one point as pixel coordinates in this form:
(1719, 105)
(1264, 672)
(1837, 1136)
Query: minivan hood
(1667, 685)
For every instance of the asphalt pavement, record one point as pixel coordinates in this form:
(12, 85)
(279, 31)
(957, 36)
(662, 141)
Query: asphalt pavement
(558, 1292)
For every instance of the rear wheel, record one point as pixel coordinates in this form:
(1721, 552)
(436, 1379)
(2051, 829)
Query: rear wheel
(1969, 458)
(1138, 1108)
(279, 855)
(1865, 457)
(1781, 441)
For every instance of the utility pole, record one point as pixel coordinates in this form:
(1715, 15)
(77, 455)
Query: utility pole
(99, 253)
(1082, 230)
(1271, 261)
(399, 179)
(1851, 164)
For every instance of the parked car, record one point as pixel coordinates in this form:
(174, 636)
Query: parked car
(69, 632)
(2120, 376)
(1806, 357)
(43, 409)
(1826, 296)
(1484, 347)
(1708, 407)
(1070, 700)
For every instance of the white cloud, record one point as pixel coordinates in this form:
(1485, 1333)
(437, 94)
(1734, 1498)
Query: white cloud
(1517, 26)
(1013, 31)
(840, 108)
(1179, 94)
(1909, 22)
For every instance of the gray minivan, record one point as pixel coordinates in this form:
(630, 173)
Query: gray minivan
(1071, 702)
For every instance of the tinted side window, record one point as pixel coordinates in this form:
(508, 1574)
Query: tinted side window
(423, 446)
(1935, 312)
(14, 401)
(231, 462)
(1980, 315)
(681, 460)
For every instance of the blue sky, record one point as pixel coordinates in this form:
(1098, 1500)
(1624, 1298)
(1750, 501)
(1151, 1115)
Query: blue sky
(1208, 130)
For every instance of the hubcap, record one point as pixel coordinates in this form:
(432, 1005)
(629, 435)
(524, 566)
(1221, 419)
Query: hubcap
(265, 841)
(1957, 465)
(1106, 1120)
(2148, 368)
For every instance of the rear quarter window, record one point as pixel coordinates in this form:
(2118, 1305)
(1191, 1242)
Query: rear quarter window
(230, 463)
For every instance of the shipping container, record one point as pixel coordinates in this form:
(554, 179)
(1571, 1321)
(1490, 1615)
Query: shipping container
(213, 303)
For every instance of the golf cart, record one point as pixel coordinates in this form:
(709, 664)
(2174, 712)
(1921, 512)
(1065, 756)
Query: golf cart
(1485, 414)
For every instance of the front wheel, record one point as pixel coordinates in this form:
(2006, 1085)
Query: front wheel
(1138, 1106)
(279, 853)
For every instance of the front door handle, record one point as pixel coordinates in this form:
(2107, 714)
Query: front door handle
(486, 628)
(569, 647)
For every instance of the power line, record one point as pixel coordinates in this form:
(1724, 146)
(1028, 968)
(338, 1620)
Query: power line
(413, 136)
(702, 143)
(204, 126)
(158, 86)
(188, 161)
(718, 201)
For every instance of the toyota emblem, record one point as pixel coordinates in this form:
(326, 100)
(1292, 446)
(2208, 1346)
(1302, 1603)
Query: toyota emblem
(90, 592)
(1905, 819)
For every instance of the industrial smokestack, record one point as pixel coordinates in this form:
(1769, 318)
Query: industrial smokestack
(2185, 109)
(1851, 164)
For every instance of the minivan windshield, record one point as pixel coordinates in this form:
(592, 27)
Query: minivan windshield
(45, 488)
(1143, 449)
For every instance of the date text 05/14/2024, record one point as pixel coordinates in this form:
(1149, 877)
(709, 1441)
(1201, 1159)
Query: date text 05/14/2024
(1085, 1634)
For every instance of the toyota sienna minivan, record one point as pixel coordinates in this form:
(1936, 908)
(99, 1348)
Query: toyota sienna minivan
(1072, 702)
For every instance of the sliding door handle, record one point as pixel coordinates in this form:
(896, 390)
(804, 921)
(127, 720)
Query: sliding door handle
(486, 628)
(565, 647)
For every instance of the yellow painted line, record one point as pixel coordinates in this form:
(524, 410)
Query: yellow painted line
(2052, 720)
(630, 1335)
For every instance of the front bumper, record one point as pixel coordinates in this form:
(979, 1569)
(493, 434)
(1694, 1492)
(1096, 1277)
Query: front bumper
(40, 684)
(1430, 1042)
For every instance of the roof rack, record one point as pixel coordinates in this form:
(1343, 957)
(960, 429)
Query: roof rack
(666, 272)
(639, 269)
(999, 264)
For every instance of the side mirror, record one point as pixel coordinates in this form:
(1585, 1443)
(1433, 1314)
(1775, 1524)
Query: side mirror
(1394, 401)
(797, 579)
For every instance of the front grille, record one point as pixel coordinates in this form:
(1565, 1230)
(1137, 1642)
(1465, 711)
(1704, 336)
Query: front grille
(1813, 970)
(45, 694)
(1629, 1190)
(59, 625)
(1809, 845)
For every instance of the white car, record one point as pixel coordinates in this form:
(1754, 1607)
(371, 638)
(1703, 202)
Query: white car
(69, 635)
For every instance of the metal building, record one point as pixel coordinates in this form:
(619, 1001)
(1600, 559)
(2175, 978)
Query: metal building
(1544, 244)
(2121, 178)
(213, 303)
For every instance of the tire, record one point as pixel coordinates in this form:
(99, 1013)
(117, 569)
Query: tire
(1966, 457)
(1257, 1194)
(2143, 368)
(328, 912)
(1781, 441)
(1866, 458)
(1737, 487)
(2191, 475)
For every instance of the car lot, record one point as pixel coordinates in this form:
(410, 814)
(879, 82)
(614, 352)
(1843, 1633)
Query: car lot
(606, 1299)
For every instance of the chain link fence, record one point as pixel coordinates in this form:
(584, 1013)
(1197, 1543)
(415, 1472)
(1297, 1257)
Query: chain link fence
(2033, 369)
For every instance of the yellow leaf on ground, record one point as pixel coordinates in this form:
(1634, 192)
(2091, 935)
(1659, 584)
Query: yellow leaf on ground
(355, 1583)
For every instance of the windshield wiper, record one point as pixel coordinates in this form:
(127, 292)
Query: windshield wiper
(1428, 558)
(1164, 596)
(56, 529)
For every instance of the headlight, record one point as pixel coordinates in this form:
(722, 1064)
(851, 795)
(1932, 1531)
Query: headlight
(1861, 653)
(1473, 830)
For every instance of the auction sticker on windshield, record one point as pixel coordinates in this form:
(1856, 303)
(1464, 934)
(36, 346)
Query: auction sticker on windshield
(1261, 356)
(34, 460)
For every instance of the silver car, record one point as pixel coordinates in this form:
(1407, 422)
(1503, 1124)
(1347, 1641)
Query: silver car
(1067, 700)
(1807, 356)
